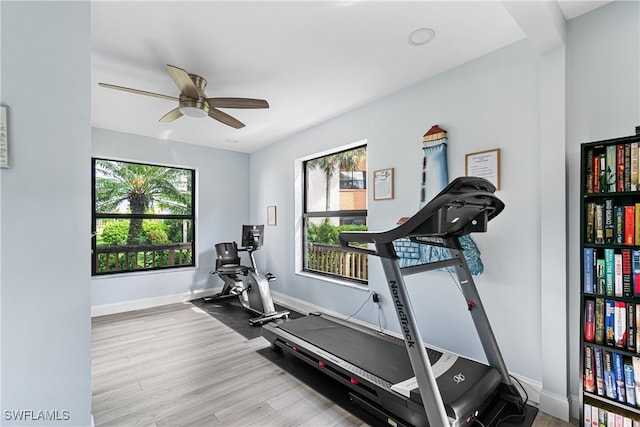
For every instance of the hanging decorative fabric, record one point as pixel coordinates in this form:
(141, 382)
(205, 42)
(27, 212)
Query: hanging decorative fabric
(434, 178)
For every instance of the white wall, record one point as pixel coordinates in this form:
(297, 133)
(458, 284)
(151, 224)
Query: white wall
(222, 206)
(489, 103)
(603, 101)
(45, 217)
(513, 99)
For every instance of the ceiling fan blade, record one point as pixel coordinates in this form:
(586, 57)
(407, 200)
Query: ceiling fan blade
(225, 118)
(237, 103)
(171, 115)
(136, 91)
(183, 81)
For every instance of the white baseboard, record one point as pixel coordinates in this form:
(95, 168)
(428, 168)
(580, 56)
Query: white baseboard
(550, 403)
(555, 405)
(124, 306)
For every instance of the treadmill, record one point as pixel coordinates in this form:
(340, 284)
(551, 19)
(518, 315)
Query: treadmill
(402, 381)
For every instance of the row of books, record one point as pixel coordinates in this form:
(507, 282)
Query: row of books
(600, 417)
(612, 375)
(612, 323)
(607, 223)
(613, 168)
(611, 272)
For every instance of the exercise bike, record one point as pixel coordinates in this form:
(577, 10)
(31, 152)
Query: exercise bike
(246, 282)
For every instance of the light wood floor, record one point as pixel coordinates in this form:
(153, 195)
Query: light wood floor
(177, 366)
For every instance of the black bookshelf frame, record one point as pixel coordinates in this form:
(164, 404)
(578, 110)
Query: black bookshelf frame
(621, 198)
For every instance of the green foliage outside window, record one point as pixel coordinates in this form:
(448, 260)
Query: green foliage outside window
(327, 233)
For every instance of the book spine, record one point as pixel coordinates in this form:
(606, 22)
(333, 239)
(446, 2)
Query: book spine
(609, 376)
(619, 224)
(617, 274)
(627, 167)
(635, 269)
(589, 380)
(603, 173)
(635, 362)
(599, 321)
(620, 167)
(586, 410)
(589, 171)
(599, 222)
(609, 271)
(631, 326)
(627, 290)
(598, 369)
(629, 225)
(600, 276)
(618, 367)
(636, 222)
(629, 383)
(589, 320)
(609, 322)
(588, 271)
(620, 326)
(608, 221)
(637, 306)
(634, 167)
(596, 173)
(611, 168)
(590, 222)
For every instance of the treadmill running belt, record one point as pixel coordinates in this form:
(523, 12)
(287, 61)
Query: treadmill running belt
(383, 358)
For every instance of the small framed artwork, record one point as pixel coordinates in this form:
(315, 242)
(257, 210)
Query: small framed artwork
(383, 184)
(4, 138)
(272, 218)
(484, 164)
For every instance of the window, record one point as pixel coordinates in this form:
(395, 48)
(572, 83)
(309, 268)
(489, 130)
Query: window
(335, 200)
(143, 217)
(353, 180)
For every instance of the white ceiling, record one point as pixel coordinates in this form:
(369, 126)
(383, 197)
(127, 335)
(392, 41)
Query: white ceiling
(312, 60)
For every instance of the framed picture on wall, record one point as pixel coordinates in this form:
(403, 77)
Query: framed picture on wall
(383, 184)
(272, 215)
(484, 164)
(4, 138)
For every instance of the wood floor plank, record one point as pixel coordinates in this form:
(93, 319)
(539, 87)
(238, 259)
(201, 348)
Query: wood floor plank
(177, 366)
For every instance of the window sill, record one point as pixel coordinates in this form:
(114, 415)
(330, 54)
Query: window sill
(334, 281)
(144, 272)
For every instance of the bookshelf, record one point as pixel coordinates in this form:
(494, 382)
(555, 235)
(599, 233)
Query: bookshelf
(610, 282)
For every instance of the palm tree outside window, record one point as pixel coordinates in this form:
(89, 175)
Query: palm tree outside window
(335, 200)
(143, 217)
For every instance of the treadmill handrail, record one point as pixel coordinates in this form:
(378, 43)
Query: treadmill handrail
(473, 197)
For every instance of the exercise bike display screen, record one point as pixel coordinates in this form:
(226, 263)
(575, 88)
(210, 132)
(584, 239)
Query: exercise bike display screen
(252, 236)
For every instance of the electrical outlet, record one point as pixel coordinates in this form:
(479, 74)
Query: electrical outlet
(376, 297)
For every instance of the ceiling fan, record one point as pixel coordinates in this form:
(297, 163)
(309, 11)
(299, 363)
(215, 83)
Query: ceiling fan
(193, 102)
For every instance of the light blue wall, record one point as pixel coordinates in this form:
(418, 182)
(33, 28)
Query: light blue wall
(45, 197)
(222, 200)
(499, 101)
(603, 101)
(489, 103)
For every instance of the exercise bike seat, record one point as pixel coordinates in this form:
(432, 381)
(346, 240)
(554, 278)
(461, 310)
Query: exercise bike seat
(232, 269)
(228, 260)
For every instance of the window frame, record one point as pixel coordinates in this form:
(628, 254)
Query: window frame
(307, 214)
(95, 216)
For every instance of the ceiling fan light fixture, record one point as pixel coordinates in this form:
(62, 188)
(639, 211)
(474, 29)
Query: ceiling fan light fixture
(194, 107)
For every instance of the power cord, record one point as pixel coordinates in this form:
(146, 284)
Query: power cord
(362, 306)
(521, 416)
(376, 299)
